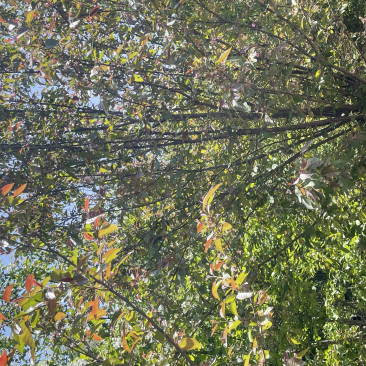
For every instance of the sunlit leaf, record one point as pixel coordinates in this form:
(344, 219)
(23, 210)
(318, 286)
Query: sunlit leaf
(200, 227)
(189, 343)
(29, 283)
(214, 291)
(6, 189)
(19, 190)
(226, 226)
(87, 236)
(110, 255)
(210, 194)
(224, 56)
(208, 244)
(218, 245)
(107, 230)
(59, 316)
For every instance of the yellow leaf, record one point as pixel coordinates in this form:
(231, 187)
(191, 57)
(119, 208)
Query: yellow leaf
(218, 245)
(110, 255)
(226, 226)
(119, 49)
(247, 359)
(27, 337)
(255, 343)
(214, 291)
(233, 308)
(234, 325)
(29, 16)
(240, 279)
(294, 340)
(267, 325)
(189, 343)
(224, 56)
(60, 316)
(107, 230)
(209, 194)
(229, 351)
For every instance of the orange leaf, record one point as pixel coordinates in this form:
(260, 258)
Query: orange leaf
(134, 344)
(81, 300)
(7, 293)
(95, 306)
(303, 191)
(200, 227)
(6, 189)
(99, 313)
(233, 284)
(218, 265)
(222, 311)
(18, 125)
(18, 191)
(87, 236)
(213, 330)
(4, 359)
(86, 205)
(208, 244)
(214, 291)
(96, 337)
(2, 317)
(125, 345)
(29, 282)
(96, 222)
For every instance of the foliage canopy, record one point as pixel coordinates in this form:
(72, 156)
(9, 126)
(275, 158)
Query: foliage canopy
(182, 182)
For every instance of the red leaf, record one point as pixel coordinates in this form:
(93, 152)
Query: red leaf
(7, 293)
(18, 191)
(4, 359)
(88, 236)
(2, 317)
(86, 205)
(67, 279)
(6, 189)
(2, 21)
(94, 11)
(29, 283)
(18, 299)
(96, 223)
(8, 40)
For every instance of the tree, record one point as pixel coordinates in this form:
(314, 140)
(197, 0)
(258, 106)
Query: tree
(182, 183)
